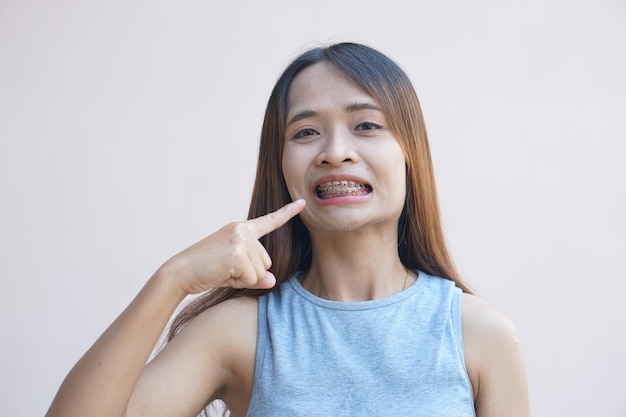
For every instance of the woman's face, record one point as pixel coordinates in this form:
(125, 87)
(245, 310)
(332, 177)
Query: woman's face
(340, 156)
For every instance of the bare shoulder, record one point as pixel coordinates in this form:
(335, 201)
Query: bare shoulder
(483, 321)
(213, 352)
(223, 326)
(494, 360)
(238, 310)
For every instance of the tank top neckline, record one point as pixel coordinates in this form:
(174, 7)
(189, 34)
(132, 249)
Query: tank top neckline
(296, 286)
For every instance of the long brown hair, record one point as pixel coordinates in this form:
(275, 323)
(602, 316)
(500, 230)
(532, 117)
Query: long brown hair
(421, 243)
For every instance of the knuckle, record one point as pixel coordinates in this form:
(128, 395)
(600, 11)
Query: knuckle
(234, 272)
(231, 226)
(237, 231)
(240, 228)
(238, 253)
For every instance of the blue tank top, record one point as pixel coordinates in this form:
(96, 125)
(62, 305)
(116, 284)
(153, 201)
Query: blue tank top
(397, 356)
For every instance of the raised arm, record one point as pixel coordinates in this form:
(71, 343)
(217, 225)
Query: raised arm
(104, 379)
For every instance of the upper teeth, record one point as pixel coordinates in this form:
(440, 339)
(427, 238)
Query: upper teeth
(343, 183)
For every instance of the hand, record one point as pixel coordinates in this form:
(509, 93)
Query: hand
(232, 256)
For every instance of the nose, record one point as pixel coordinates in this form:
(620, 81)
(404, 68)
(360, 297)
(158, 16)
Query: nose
(337, 148)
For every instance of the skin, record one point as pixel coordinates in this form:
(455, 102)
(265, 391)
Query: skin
(328, 137)
(344, 136)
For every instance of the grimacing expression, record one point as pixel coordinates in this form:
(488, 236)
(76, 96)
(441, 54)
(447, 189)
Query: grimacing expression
(339, 154)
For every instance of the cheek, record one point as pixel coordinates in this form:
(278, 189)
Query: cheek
(398, 162)
(287, 176)
(395, 156)
(292, 175)
(399, 174)
(400, 178)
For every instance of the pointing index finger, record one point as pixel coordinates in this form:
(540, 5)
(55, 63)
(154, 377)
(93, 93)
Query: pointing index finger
(268, 223)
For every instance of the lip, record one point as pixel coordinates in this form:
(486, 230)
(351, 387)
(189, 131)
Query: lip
(346, 199)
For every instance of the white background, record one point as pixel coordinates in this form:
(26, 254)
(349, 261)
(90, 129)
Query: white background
(128, 130)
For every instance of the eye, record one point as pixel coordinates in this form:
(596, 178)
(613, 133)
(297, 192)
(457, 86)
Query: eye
(368, 126)
(304, 133)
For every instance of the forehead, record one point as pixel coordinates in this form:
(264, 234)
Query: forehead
(322, 85)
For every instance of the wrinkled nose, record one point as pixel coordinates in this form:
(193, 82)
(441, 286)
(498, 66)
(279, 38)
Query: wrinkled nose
(337, 148)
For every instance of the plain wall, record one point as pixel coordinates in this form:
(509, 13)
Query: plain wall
(129, 129)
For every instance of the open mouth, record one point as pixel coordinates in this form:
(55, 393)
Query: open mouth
(333, 189)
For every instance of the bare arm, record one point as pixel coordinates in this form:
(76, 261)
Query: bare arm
(104, 379)
(494, 361)
(212, 357)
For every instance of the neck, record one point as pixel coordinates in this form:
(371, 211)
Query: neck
(353, 267)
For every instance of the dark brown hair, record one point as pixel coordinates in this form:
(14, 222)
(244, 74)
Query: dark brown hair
(421, 242)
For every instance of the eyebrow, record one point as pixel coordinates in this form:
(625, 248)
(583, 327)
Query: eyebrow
(350, 108)
(362, 106)
(301, 115)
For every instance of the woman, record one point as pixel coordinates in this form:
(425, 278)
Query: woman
(341, 301)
